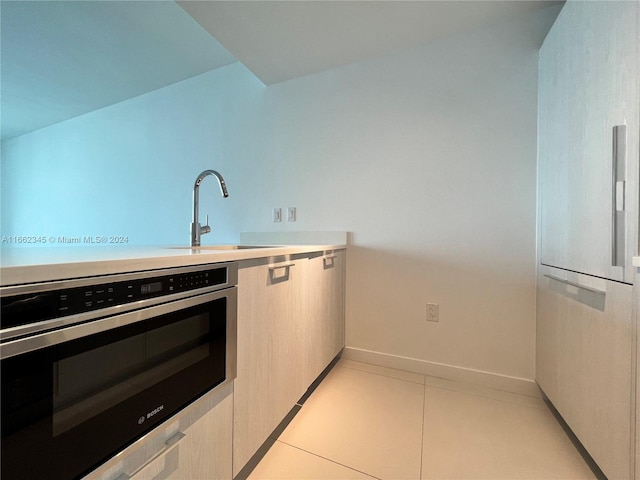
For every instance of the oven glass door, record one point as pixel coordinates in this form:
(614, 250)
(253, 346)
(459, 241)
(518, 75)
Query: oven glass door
(71, 406)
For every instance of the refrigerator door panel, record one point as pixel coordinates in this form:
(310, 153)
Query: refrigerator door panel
(588, 137)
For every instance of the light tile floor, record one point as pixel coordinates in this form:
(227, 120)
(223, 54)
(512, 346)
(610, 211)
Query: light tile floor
(370, 422)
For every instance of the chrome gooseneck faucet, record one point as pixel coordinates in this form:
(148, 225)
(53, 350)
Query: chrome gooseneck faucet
(196, 230)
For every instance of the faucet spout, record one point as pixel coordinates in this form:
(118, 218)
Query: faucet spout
(196, 230)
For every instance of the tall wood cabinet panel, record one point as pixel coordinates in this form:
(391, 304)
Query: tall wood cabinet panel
(588, 83)
(325, 309)
(584, 362)
(290, 327)
(270, 351)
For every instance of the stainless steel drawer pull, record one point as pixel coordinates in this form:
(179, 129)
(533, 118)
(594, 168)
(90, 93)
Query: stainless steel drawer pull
(169, 445)
(329, 261)
(280, 273)
(574, 284)
(284, 265)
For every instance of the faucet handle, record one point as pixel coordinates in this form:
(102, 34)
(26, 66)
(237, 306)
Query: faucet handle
(206, 228)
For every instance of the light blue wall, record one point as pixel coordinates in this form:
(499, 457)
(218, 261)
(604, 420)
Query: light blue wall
(129, 169)
(427, 156)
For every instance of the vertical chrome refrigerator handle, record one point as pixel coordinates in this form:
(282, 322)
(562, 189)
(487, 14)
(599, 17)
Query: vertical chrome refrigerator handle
(619, 174)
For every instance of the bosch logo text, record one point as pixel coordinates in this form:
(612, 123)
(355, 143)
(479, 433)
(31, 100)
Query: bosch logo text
(154, 411)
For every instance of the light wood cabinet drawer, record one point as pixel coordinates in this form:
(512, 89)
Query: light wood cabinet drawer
(584, 361)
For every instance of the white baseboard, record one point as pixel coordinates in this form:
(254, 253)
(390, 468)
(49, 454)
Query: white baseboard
(506, 383)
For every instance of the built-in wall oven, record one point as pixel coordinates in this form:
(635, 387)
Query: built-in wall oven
(89, 366)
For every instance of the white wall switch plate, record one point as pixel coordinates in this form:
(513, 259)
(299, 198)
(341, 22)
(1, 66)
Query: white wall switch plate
(277, 214)
(291, 214)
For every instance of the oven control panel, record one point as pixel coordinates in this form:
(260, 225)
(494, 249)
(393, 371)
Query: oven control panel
(37, 306)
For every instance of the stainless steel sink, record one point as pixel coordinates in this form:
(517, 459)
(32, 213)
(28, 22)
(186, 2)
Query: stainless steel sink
(225, 247)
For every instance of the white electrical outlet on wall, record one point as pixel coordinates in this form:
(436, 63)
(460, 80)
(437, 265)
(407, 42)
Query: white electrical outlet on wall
(277, 214)
(433, 312)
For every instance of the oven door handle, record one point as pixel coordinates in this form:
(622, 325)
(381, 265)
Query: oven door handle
(169, 444)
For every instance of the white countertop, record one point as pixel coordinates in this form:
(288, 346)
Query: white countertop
(41, 264)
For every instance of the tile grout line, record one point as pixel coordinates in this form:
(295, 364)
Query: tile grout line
(541, 407)
(485, 387)
(263, 449)
(427, 384)
(329, 460)
(383, 375)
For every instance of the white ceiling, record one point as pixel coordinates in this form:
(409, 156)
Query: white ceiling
(61, 59)
(281, 40)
